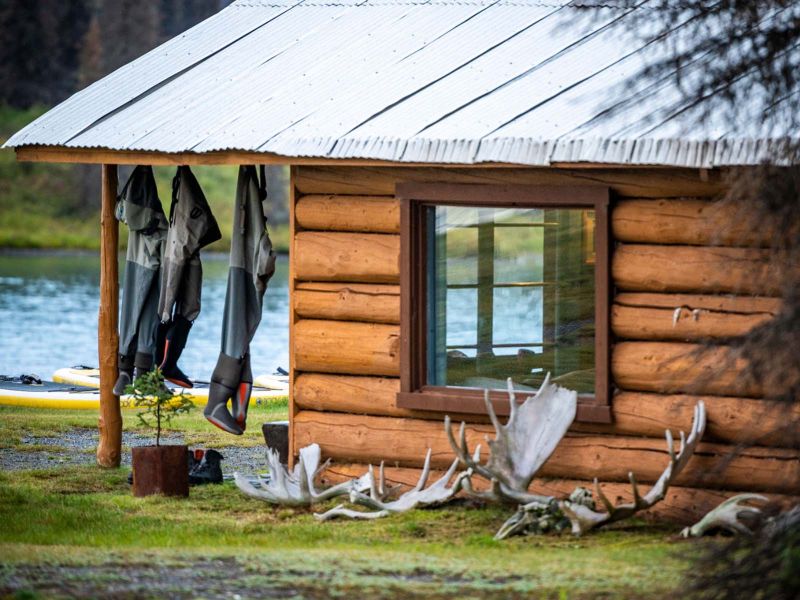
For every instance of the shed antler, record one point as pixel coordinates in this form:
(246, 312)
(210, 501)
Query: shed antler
(728, 516)
(437, 493)
(584, 518)
(522, 445)
(295, 488)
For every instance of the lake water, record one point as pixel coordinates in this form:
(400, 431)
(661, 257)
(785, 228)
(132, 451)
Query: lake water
(48, 315)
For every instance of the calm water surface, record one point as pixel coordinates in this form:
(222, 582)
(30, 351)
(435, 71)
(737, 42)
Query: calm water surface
(48, 315)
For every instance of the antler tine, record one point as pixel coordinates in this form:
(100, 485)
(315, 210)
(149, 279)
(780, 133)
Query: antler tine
(512, 399)
(373, 490)
(492, 415)
(460, 450)
(321, 468)
(426, 471)
(304, 488)
(670, 445)
(382, 481)
(637, 498)
(603, 498)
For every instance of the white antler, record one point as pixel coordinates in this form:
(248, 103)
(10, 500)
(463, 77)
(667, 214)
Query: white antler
(522, 445)
(726, 516)
(437, 493)
(295, 488)
(584, 518)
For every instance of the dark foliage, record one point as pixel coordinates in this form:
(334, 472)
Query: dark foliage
(764, 566)
(40, 49)
(52, 48)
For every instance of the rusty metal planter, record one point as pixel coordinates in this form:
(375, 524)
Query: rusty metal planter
(160, 470)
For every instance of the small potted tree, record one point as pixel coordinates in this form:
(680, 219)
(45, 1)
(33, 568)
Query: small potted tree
(158, 469)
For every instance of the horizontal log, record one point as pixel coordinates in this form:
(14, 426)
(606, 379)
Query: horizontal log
(730, 420)
(746, 305)
(347, 393)
(690, 221)
(682, 505)
(360, 395)
(403, 442)
(648, 268)
(346, 347)
(369, 214)
(669, 367)
(358, 257)
(681, 324)
(348, 302)
(631, 182)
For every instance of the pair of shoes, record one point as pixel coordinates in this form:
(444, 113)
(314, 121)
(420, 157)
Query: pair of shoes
(232, 381)
(203, 467)
(206, 467)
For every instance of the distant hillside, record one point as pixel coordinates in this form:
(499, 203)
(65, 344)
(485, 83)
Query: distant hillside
(57, 206)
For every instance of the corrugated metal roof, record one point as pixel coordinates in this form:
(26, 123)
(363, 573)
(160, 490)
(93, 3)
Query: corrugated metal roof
(410, 81)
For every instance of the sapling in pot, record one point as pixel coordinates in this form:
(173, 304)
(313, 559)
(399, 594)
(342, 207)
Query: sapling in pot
(158, 469)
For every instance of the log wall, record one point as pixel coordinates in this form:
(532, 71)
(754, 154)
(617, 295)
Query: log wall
(686, 269)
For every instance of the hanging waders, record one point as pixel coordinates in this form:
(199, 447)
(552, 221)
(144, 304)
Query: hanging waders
(192, 227)
(139, 207)
(252, 263)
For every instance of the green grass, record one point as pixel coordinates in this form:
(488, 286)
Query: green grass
(91, 513)
(82, 520)
(45, 205)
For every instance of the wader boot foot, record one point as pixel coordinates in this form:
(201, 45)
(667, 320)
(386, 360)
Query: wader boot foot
(125, 377)
(241, 402)
(142, 364)
(223, 388)
(174, 343)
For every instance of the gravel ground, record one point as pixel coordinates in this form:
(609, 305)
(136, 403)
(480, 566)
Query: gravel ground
(219, 578)
(77, 447)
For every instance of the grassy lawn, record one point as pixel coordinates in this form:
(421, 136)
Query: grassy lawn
(78, 531)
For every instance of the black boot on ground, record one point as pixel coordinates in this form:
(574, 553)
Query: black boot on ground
(174, 343)
(125, 377)
(223, 388)
(208, 469)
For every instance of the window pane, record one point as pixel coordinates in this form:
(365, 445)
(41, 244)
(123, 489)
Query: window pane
(510, 294)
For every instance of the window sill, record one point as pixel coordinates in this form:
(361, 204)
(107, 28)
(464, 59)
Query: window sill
(468, 401)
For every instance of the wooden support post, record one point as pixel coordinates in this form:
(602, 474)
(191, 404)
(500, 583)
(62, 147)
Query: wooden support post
(110, 422)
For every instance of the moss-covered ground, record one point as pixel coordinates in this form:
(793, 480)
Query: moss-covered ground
(77, 531)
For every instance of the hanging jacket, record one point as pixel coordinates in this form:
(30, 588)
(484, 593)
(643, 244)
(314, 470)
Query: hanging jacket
(139, 207)
(252, 264)
(192, 227)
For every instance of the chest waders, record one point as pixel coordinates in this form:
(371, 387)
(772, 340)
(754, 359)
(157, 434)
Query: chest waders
(139, 207)
(252, 263)
(192, 227)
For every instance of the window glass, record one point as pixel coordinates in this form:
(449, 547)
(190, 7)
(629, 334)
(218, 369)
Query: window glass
(510, 294)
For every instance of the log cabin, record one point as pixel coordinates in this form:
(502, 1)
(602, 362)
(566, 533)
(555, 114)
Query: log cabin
(469, 203)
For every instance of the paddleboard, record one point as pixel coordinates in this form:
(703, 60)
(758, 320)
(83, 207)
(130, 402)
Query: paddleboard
(50, 394)
(88, 377)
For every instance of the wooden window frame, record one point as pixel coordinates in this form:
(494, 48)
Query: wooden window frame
(414, 198)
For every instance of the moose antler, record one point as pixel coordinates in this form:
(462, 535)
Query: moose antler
(437, 493)
(295, 488)
(522, 445)
(726, 516)
(584, 518)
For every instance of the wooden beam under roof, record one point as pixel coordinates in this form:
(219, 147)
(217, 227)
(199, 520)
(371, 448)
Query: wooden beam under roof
(61, 154)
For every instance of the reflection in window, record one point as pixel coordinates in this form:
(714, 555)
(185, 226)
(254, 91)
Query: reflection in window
(510, 294)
